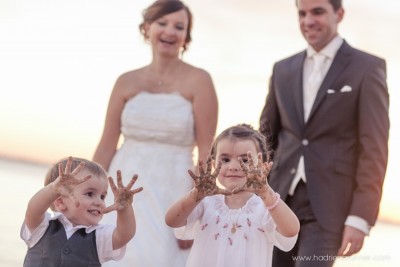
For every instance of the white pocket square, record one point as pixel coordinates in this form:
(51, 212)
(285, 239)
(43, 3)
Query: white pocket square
(330, 91)
(346, 88)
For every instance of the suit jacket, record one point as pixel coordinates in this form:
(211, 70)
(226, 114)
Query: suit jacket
(344, 142)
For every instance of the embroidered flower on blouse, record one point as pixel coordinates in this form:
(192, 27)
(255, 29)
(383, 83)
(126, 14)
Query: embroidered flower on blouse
(216, 236)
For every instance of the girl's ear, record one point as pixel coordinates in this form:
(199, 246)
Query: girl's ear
(59, 204)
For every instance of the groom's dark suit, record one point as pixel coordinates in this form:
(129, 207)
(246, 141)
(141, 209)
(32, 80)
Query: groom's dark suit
(344, 142)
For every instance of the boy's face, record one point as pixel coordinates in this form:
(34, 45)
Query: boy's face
(228, 152)
(87, 202)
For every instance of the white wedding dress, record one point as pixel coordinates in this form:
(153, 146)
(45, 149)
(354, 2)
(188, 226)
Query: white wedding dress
(158, 145)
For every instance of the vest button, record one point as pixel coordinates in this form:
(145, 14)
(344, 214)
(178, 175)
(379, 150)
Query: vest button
(304, 142)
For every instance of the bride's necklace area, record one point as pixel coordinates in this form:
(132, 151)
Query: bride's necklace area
(160, 82)
(157, 81)
(165, 79)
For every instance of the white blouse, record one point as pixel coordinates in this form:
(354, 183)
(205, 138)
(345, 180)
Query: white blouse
(232, 237)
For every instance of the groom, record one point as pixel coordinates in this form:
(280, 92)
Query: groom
(326, 115)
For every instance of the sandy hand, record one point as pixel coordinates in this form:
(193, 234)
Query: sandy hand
(256, 175)
(67, 180)
(205, 182)
(123, 196)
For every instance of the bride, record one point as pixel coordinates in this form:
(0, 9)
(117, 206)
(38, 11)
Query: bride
(164, 111)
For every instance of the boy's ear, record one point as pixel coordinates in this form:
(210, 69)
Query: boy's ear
(59, 204)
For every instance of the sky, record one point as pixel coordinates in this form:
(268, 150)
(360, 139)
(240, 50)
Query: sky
(59, 61)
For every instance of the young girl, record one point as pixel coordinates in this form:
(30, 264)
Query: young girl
(73, 236)
(238, 225)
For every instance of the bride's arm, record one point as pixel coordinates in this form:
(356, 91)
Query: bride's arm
(109, 140)
(205, 109)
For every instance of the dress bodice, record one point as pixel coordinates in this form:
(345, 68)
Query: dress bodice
(162, 118)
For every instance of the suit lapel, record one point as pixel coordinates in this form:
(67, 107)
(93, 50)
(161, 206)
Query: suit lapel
(298, 87)
(339, 63)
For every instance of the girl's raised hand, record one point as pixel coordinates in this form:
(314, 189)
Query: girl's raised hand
(123, 196)
(256, 175)
(67, 180)
(205, 182)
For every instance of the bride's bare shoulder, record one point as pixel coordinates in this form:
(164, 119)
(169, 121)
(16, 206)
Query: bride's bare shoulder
(130, 83)
(197, 74)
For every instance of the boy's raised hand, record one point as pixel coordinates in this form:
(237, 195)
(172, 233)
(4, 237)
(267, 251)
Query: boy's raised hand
(67, 180)
(205, 182)
(256, 175)
(123, 196)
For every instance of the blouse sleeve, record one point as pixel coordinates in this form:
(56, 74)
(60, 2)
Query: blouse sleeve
(192, 223)
(277, 239)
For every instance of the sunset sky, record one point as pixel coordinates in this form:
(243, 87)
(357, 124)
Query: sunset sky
(60, 59)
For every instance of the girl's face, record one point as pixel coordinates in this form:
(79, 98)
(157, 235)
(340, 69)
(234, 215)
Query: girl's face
(87, 202)
(228, 152)
(167, 34)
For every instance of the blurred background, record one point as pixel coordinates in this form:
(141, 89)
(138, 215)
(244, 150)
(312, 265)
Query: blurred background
(59, 61)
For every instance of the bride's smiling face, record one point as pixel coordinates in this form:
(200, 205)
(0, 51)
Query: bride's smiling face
(167, 34)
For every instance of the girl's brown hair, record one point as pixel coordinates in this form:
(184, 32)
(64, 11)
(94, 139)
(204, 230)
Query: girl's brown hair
(246, 132)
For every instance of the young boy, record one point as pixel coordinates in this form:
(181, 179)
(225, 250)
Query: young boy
(75, 189)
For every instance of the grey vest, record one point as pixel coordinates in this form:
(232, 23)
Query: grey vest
(55, 250)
